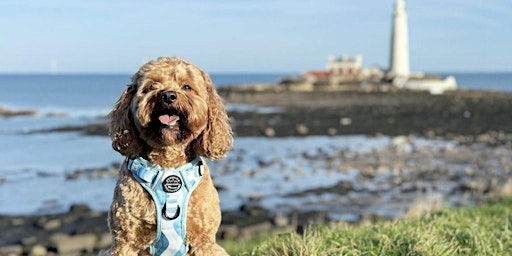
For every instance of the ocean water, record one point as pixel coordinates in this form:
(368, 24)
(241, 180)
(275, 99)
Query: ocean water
(33, 167)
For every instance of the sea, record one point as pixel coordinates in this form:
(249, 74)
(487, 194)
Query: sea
(35, 167)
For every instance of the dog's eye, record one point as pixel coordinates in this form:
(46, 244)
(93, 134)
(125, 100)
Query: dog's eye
(186, 87)
(149, 88)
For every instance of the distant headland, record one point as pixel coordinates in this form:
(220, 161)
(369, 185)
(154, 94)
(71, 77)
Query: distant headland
(346, 73)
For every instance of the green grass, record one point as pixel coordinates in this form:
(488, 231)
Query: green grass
(482, 230)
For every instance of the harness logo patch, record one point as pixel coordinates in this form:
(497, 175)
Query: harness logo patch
(172, 184)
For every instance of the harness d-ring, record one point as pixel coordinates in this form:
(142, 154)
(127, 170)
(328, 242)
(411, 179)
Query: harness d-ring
(164, 213)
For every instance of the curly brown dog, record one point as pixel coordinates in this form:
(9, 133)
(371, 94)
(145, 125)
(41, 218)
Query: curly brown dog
(167, 118)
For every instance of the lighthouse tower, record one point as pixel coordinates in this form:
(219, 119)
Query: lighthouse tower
(399, 59)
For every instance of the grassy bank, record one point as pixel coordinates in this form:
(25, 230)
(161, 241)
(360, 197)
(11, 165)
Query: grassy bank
(482, 230)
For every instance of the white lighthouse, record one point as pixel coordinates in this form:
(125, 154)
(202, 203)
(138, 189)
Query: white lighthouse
(399, 69)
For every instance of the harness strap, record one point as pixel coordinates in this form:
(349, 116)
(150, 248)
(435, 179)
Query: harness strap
(170, 189)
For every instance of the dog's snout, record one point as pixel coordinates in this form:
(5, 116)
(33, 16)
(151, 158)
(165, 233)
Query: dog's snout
(169, 97)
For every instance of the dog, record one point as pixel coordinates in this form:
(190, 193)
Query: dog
(164, 122)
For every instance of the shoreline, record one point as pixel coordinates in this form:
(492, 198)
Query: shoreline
(277, 113)
(477, 123)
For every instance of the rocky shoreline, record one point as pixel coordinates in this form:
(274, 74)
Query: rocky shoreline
(402, 177)
(475, 115)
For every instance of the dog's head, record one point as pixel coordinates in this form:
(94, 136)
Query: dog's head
(170, 102)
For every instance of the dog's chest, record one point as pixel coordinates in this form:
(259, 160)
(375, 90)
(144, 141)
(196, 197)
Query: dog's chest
(170, 190)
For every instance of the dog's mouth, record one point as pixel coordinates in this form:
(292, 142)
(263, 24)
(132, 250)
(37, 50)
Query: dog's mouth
(170, 119)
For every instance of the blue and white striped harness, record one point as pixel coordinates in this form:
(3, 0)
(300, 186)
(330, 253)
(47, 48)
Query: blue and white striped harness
(171, 190)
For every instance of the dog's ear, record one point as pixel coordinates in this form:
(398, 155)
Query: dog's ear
(121, 129)
(217, 138)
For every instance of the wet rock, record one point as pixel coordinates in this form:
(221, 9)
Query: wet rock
(12, 112)
(253, 210)
(79, 209)
(474, 185)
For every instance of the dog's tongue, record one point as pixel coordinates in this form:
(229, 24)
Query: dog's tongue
(168, 120)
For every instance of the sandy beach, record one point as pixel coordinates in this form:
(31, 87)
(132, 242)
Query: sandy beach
(452, 149)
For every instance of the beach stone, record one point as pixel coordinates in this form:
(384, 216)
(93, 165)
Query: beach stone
(253, 210)
(280, 221)
(346, 121)
(302, 129)
(29, 240)
(255, 229)
(11, 250)
(332, 131)
(79, 209)
(270, 132)
(17, 222)
(228, 231)
(49, 225)
(104, 242)
(65, 244)
(38, 250)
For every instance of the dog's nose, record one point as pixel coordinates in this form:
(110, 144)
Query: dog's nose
(169, 97)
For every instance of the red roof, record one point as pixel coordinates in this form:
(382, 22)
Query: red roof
(317, 73)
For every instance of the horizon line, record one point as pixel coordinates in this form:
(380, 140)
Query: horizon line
(244, 72)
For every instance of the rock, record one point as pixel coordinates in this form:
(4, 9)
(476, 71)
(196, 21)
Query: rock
(65, 244)
(229, 231)
(254, 210)
(38, 250)
(18, 222)
(255, 229)
(270, 132)
(255, 197)
(79, 209)
(11, 250)
(104, 242)
(302, 129)
(332, 131)
(475, 185)
(49, 225)
(29, 240)
(346, 121)
(280, 221)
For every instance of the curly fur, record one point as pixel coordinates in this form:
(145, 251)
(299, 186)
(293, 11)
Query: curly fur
(203, 129)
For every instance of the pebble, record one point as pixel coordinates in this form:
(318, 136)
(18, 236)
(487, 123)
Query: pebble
(11, 250)
(332, 131)
(38, 250)
(49, 225)
(270, 132)
(302, 129)
(65, 244)
(104, 242)
(346, 121)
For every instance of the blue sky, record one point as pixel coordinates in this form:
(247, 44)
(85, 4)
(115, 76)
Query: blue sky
(117, 36)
